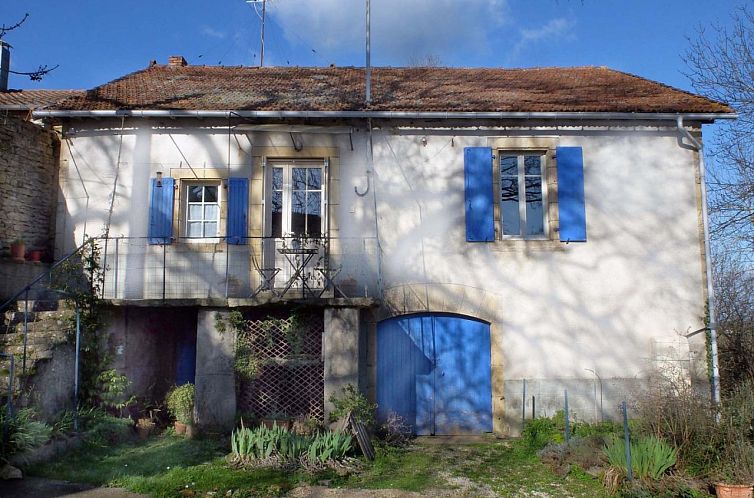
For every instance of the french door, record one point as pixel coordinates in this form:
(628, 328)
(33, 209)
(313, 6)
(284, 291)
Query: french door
(295, 209)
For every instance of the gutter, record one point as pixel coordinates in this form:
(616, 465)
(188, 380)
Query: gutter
(382, 115)
(697, 146)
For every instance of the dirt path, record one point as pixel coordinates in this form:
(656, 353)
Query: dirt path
(39, 487)
(322, 492)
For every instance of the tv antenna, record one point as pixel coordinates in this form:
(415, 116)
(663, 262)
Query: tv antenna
(261, 17)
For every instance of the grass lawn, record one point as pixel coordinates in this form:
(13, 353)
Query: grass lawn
(169, 467)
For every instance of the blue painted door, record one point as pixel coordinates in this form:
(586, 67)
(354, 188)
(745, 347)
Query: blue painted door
(434, 371)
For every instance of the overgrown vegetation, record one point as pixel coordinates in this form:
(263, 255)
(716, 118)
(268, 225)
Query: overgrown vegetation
(80, 280)
(352, 401)
(180, 403)
(23, 432)
(168, 466)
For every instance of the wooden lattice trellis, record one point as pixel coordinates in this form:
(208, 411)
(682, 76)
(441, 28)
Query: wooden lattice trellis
(283, 371)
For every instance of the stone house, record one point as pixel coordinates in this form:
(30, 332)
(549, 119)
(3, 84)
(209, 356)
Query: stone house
(468, 240)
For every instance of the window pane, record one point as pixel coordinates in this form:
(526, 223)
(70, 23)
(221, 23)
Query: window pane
(210, 229)
(509, 165)
(314, 203)
(211, 212)
(534, 209)
(314, 210)
(314, 228)
(298, 212)
(210, 193)
(195, 193)
(314, 179)
(299, 178)
(277, 212)
(194, 229)
(532, 165)
(509, 206)
(195, 212)
(277, 179)
(298, 202)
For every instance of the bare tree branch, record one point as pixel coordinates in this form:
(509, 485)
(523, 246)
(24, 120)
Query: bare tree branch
(5, 29)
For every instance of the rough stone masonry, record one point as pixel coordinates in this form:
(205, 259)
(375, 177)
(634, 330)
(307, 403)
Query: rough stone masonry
(28, 183)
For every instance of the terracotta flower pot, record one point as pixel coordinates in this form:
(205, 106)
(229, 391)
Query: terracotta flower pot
(180, 427)
(35, 256)
(144, 432)
(733, 490)
(17, 251)
(190, 431)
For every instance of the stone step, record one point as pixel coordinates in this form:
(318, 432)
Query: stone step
(17, 339)
(16, 317)
(42, 327)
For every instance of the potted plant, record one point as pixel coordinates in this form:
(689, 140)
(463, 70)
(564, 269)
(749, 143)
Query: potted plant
(279, 419)
(18, 249)
(180, 402)
(145, 427)
(726, 490)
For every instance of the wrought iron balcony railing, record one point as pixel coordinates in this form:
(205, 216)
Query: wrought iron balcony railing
(257, 267)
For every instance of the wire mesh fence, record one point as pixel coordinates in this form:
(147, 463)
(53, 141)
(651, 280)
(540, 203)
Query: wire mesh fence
(282, 367)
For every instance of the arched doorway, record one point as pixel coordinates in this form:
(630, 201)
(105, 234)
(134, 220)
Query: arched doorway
(434, 371)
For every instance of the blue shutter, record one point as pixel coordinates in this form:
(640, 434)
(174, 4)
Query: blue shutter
(238, 209)
(480, 223)
(161, 211)
(571, 208)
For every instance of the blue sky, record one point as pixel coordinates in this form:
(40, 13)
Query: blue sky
(95, 41)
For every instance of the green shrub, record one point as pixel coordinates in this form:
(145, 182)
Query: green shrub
(112, 391)
(352, 401)
(24, 432)
(650, 457)
(63, 424)
(180, 402)
(102, 429)
(539, 432)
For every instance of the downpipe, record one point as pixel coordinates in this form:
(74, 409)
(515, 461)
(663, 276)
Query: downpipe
(696, 146)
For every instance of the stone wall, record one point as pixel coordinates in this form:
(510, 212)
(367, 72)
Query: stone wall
(28, 183)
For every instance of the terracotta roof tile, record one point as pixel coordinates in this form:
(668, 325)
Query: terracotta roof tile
(34, 99)
(576, 89)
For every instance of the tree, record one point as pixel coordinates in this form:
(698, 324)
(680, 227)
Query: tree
(41, 70)
(721, 66)
(720, 62)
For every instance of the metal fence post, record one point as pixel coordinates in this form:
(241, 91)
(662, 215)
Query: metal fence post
(627, 437)
(76, 370)
(9, 403)
(523, 405)
(567, 421)
(115, 276)
(533, 407)
(26, 329)
(164, 254)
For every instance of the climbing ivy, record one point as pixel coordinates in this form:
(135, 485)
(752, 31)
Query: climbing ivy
(80, 281)
(252, 333)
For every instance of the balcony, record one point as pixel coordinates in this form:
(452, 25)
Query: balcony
(254, 269)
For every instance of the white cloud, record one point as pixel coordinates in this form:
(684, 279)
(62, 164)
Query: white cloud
(400, 29)
(212, 33)
(554, 29)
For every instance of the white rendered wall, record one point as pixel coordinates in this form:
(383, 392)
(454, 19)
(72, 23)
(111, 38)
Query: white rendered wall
(614, 304)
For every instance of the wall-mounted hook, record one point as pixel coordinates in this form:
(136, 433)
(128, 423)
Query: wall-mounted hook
(356, 189)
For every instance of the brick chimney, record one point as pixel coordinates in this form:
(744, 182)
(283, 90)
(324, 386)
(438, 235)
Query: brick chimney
(4, 65)
(177, 61)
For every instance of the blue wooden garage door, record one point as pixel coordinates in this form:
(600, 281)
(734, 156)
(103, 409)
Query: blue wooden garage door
(434, 371)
